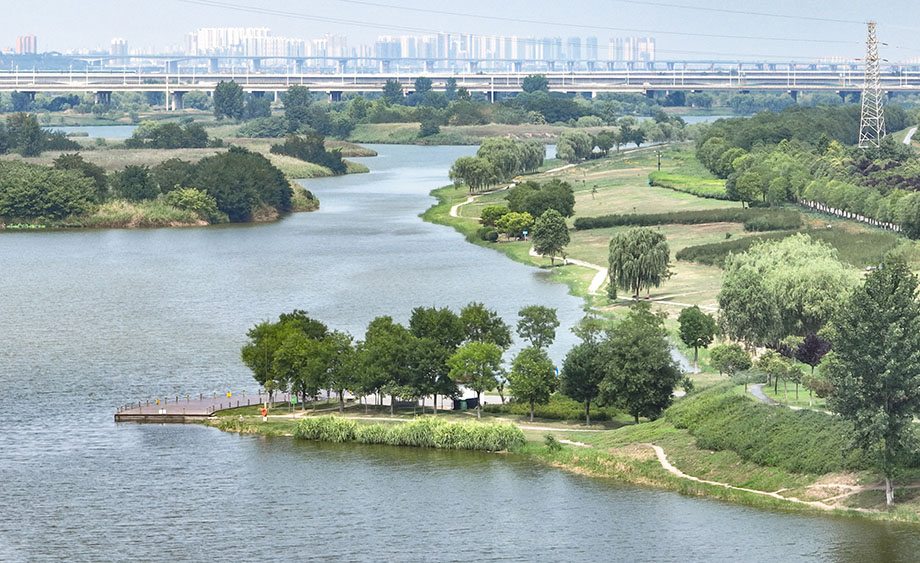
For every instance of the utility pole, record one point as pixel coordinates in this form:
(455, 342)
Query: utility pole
(872, 116)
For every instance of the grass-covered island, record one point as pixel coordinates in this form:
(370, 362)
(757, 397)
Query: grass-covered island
(165, 175)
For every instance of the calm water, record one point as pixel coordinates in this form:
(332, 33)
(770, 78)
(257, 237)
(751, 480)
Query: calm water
(89, 320)
(99, 131)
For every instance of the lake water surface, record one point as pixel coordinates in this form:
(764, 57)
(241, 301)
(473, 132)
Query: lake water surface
(92, 319)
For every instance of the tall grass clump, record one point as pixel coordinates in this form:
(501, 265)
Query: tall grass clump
(756, 219)
(799, 441)
(326, 429)
(419, 433)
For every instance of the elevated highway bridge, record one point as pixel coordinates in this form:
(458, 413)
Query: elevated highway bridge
(843, 81)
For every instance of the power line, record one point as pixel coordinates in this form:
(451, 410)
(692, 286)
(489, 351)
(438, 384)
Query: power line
(358, 23)
(738, 12)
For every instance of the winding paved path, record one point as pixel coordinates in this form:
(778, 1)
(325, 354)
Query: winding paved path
(910, 135)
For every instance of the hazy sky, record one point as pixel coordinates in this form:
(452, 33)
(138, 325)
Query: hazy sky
(67, 24)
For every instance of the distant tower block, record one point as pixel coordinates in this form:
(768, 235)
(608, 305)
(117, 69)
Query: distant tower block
(872, 117)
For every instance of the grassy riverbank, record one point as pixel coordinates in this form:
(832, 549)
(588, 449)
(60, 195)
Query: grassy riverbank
(408, 133)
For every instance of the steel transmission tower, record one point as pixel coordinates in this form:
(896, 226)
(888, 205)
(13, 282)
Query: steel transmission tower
(872, 117)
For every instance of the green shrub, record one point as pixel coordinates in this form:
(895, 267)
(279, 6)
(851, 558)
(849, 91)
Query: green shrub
(559, 407)
(426, 432)
(487, 234)
(700, 187)
(799, 441)
(753, 219)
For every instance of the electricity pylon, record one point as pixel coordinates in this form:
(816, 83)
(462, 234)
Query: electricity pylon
(872, 116)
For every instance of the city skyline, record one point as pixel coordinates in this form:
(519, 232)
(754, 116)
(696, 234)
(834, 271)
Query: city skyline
(683, 31)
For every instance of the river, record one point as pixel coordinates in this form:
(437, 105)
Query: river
(92, 319)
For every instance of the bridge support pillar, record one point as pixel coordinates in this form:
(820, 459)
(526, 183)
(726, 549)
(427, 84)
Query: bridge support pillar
(256, 65)
(213, 65)
(517, 66)
(335, 96)
(650, 94)
(258, 94)
(177, 100)
(429, 66)
(794, 94)
(172, 67)
(103, 97)
(472, 66)
(298, 66)
(610, 66)
(340, 65)
(385, 65)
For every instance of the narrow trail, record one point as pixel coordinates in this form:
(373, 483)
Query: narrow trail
(599, 278)
(663, 460)
(455, 208)
(910, 135)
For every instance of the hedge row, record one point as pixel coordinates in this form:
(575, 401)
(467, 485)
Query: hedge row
(753, 219)
(700, 187)
(558, 408)
(799, 441)
(419, 433)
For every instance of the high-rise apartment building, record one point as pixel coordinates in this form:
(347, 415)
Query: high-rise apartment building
(26, 45)
(118, 47)
(632, 49)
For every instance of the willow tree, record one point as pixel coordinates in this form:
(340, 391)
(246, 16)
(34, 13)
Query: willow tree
(639, 259)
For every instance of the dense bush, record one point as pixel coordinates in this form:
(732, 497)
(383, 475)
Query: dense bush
(800, 441)
(242, 181)
(169, 136)
(488, 234)
(753, 219)
(558, 408)
(310, 147)
(419, 433)
(33, 192)
(700, 187)
(264, 127)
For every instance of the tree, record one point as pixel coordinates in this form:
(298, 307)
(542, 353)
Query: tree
(257, 107)
(810, 352)
(393, 91)
(301, 364)
(697, 329)
(341, 364)
(503, 154)
(26, 134)
(477, 173)
(875, 366)
(550, 235)
(532, 377)
(492, 213)
(92, 171)
(422, 84)
(515, 225)
(778, 367)
(478, 366)
(582, 372)
(135, 183)
(428, 128)
(228, 100)
(537, 324)
(535, 83)
(484, 325)
(749, 187)
(640, 374)
(729, 359)
(781, 288)
(439, 333)
(639, 259)
(385, 357)
(297, 101)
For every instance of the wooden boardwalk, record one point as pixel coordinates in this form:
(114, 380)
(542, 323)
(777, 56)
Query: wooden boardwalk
(189, 408)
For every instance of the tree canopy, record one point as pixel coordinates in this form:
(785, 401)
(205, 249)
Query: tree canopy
(639, 259)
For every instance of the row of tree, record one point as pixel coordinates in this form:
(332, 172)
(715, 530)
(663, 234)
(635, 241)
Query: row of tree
(497, 160)
(438, 351)
(150, 134)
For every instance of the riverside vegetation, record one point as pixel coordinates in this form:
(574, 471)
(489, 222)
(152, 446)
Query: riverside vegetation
(147, 183)
(813, 260)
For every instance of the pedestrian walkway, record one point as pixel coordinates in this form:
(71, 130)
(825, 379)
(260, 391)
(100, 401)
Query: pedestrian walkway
(190, 408)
